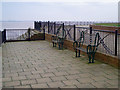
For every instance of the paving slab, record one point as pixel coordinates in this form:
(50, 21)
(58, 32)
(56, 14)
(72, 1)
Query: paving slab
(36, 64)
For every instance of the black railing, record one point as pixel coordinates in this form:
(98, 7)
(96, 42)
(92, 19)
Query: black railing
(16, 34)
(73, 33)
(108, 39)
(4, 36)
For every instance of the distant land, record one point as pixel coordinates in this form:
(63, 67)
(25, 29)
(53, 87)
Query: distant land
(57, 21)
(17, 21)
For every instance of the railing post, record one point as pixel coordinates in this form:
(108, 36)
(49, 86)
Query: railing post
(34, 24)
(28, 34)
(39, 25)
(4, 36)
(116, 33)
(54, 28)
(90, 35)
(74, 33)
(43, 33)
(48, 26)
(63, 29)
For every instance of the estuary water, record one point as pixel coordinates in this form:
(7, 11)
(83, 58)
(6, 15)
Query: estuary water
(16, 25)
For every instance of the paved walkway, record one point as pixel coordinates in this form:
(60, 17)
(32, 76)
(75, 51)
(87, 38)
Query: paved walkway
(37, 64)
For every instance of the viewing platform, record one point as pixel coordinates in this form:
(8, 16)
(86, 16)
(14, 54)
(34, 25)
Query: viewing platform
(30, 58)
(36, 64)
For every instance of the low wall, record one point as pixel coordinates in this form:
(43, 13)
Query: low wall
(39, 36)
(111, 60)
(108, 28)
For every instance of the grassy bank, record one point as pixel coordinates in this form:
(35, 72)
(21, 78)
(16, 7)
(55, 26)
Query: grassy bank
(109, 24)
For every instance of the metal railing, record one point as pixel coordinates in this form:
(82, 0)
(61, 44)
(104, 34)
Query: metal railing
(21, 34)
(16, 34)
(108, 39)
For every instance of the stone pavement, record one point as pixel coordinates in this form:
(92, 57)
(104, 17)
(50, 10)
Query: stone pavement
(36, 64)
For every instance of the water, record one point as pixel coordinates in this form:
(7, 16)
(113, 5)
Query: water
(16, 25)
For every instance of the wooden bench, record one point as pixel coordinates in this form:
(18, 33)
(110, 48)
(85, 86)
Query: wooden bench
(57, 39)
(90, 50)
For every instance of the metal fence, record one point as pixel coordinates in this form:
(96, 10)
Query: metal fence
(16, 34)
(108, 39)
(22, 34)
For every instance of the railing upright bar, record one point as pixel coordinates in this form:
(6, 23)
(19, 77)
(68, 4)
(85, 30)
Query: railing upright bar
(74, 33)
(90, 35)
(34, 24)
(54, 28)
(116, 33)
(4, 35)
(63, 29)
(28, 34)
(39, 25)
(44, 33)
(48, 26)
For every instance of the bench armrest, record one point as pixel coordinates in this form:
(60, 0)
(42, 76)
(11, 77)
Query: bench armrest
(91, 48)
(54, 38)
(60, 39)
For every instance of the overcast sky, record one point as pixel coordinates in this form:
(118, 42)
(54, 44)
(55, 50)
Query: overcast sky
(53, 10)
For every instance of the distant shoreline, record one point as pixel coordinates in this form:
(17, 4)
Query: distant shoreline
(16, 21)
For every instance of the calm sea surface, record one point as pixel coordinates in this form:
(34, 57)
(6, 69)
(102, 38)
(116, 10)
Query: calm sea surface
(16, 25)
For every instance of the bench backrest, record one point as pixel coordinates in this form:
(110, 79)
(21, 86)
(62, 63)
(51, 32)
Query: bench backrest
(96, 42)
(81, 39)
(97, 39)
(58, 30)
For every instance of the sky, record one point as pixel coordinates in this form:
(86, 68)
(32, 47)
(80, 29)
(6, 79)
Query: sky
(59, 10)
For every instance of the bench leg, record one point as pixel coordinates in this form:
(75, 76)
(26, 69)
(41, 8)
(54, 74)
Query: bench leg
(76, 52)
(79, 54)
(93, 56)
(89, 56)
(53, 44)
(90, 59)
(59, 46)
(62, 46)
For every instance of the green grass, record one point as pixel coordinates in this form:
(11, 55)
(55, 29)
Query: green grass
(109, 24)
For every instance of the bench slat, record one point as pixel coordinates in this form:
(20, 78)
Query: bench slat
(82, 49)
(56, 41)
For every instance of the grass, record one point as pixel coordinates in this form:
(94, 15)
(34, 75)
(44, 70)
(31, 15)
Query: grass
(108, 24)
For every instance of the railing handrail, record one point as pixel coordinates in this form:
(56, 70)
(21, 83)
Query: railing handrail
(15, 29)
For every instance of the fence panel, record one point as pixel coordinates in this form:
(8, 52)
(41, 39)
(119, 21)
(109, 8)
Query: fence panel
(59, 29)
(16, 34)
(51, 28)
(107, 41)
(44, 25)
(86, 34)
(69, 29)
